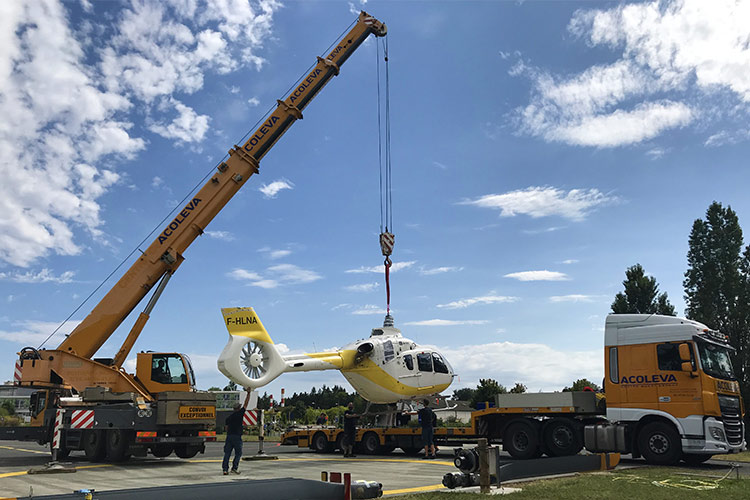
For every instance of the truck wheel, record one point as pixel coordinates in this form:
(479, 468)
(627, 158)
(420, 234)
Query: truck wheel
(320, 443)
(521, 440)
(118, 443)
(187, 450)
(695, 458)
(94, 445)
(561, 438)
(659, 444)
(162, 450)
(340, 441)
(370, 443)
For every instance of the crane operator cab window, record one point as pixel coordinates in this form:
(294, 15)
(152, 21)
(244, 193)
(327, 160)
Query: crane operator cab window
(168, 369)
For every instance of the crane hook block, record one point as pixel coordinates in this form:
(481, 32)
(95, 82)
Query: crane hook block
(386, 243)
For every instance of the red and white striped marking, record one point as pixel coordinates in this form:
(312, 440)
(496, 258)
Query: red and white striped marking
(387, 241)
(82, 419)
(250, 417)
(58, 429)
(17, 373)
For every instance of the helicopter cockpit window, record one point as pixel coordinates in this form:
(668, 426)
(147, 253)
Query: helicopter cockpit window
(409, 361)
(168, 369)
(388, 350)
(424, 362)
(437, 361)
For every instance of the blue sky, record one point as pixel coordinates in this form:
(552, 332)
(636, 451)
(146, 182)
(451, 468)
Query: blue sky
(539, 149)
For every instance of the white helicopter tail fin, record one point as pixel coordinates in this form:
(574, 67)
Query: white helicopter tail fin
(249, 359)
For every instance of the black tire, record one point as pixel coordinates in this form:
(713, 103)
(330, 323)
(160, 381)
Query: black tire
(387, 450)
(521, 440)
(411, 450)
(340, 441)
(695, 458)
(562, 438)
(659, 444)
(370, 443)
(162, 450)
(118, 443)
(187, 450)
(320, 443)
(94, 445)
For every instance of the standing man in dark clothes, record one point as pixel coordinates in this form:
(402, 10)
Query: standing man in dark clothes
(350, 430)
(234, 437)
(426, 416)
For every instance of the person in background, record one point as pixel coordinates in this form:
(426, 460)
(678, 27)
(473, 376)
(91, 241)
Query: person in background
(426, 416)
(350, 430)
(233, 442)
(322, 419)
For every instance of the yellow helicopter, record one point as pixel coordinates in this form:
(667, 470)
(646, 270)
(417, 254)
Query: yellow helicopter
(384, 368)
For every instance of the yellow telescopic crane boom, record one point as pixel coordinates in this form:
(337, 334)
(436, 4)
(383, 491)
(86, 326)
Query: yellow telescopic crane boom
(165, 254)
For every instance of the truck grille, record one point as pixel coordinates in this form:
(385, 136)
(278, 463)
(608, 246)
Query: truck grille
(730, 414)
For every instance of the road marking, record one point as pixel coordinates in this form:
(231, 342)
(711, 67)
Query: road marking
(398, 460)
(24, 449)
(434, 487)
(24, 472)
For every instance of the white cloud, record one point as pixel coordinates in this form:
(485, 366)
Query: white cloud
(538, 201)
(272, 189)
(156, 182)
(691, 49)
(573, 298)
(33, 333)
(70, 95)
(538, 276)
(362, 287)
(440, 270)
(570, 261)
(446, 322)
(369, 309)
(538, 366)
(274, 276)
(397, 266)
(188, 126)
(220, 235)
(487, 299)
(253, 101)
(279, 254)
(43, 276)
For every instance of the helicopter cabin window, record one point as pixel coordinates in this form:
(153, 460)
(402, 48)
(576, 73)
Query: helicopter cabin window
(437, 361)
(409, 361)
(388, 350)
(168, 369)
(424, 362)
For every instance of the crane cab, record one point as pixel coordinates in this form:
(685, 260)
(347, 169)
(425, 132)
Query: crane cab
(165, 371)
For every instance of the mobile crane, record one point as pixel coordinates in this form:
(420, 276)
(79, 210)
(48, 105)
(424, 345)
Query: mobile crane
(109, 413)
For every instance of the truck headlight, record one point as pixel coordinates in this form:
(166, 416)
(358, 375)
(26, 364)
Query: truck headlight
(717, 433)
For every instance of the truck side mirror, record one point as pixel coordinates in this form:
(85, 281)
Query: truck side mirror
(687, 366)
(684, 352)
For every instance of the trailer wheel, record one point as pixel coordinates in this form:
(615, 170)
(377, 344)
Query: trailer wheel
(562, 438)
(340, 441)
(118, 442)
(320, 443)
(370, 443)
(186, 450)
(94, 445)
(411, 450)
(162, 450)
(521, 440)
(659, 444)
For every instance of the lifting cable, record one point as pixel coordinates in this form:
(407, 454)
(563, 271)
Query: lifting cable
(387, 238)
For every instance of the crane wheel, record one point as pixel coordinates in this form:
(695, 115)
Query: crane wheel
(118, 444)
(94, 445)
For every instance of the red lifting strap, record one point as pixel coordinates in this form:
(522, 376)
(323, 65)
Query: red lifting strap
(387, 264)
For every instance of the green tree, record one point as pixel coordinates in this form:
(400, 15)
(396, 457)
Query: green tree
(213, 389)
(581, 384)
(717, 282)
(486, 391)
(464, 394)
(641, 295)
(519, 388)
